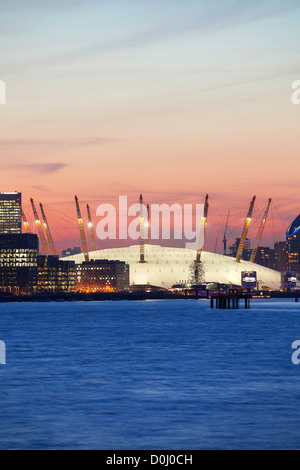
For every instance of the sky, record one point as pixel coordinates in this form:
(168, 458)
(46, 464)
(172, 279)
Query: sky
(167, 98)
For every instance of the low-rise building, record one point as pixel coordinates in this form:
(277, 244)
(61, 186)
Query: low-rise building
(55, 275)
(102, 276)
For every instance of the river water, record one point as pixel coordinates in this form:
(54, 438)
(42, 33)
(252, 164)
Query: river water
(165, 374)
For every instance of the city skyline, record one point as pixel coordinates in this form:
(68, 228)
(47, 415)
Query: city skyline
(172, 100)
(66, 233)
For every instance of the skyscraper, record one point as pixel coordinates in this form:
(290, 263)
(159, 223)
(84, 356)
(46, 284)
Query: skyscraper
(293, 242)
(10, 213)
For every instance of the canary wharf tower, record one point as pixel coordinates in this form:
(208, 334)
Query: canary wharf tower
(10, 213)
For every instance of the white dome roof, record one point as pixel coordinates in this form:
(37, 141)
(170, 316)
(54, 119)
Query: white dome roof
(166, 266)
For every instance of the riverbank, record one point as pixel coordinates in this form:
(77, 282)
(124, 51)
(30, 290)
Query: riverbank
(137, 295)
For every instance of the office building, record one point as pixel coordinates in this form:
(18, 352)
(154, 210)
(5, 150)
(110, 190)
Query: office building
(55, 275)
(18, 263)
(265, 257)
(102, 276)
(281, 256)
(10, 213)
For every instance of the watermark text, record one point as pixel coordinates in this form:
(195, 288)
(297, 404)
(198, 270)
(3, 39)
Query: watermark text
(2, 353)
(296, 354)
(179, 222)
(296, 93)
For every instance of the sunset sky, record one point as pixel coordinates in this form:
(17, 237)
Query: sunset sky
(174, 99)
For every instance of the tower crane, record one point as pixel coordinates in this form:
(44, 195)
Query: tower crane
(245, 231)
(47, 229)
(91, 229)
(260, 232)
(40, 229)
(82, 232)
(203, 227)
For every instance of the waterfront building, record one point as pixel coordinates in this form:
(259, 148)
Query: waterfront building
(102, 276)
(293, 242)
(55, 275)
(10, 213)
(18, 263)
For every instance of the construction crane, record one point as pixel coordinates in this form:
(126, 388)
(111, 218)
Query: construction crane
(245, 231)
(260, 232)
(203, 228)
(225, 235)
(91, 229)
(40, 229)
(47, 229)
(142, 234)
(82, 232)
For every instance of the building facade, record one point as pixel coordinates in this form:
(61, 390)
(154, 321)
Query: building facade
(10, 213)
(71, 251)
(102, 276)
(55, 275)
(265, 257)
(18, 263)
(293, 244)
(233, 249)
(281, 256)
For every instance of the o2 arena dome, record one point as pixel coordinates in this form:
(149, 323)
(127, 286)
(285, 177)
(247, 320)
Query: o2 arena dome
(294, 227)
(165, 267)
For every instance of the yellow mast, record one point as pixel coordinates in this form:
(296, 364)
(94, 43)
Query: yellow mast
(47, 229)
(148, 224)
(203, 227)
(82, 232)
(25, 222)
(260, 232)
(245, 231)
(91, 229)
(40, 229)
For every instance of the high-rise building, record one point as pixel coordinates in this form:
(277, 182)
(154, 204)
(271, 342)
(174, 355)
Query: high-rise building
(10, 213)
(293, 242)
(18, 263)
